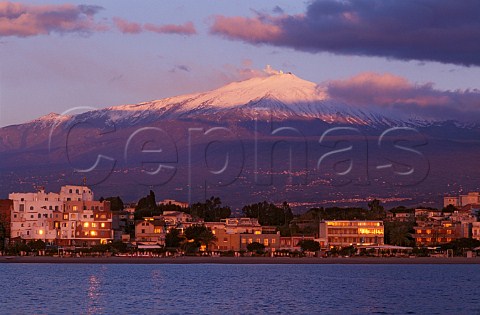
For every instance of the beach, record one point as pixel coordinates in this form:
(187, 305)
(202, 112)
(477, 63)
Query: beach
(236, 260)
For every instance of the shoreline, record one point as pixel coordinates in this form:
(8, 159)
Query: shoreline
(241, 260)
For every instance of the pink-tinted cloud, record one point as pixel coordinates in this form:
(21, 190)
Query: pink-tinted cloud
(254, 30)
(127, 27)
(184, 29)
(395, 93)
(23, 20)
(430, 30)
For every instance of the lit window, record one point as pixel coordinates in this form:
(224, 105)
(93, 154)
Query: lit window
(94, 225)
(265, 242)
(85, 224)
(93, 233)
(102, 225)
(273, 241)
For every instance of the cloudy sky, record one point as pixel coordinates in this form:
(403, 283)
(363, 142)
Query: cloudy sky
(55, 55)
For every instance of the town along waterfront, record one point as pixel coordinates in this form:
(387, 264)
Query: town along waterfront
(246, 289)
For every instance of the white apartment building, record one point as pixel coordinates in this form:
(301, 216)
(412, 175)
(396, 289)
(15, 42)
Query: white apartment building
(44, 216)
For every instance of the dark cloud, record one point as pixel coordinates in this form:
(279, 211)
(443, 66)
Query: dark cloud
(277, 10)
(396, 94)
(180, 68)
(428, 30)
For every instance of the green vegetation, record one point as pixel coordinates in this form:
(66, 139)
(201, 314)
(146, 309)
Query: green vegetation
(399, 233)
(269, 214)
(198, 235)
(211, 210)
(256, 247)
(459, 246)
(309, 245)
(173, 239)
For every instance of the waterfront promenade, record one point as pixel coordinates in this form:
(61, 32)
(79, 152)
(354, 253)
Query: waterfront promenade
(236, 260)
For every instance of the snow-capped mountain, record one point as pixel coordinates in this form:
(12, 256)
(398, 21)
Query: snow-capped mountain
(280, 96)
(54, 147)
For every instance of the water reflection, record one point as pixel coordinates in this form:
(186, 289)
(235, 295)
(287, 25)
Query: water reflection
(94, 295)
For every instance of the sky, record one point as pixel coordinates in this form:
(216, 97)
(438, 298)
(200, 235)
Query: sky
(57, 55)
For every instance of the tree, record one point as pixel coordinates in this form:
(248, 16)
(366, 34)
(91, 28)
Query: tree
(309, 245)
(173, 239)
(256, 247)
(36, 245)
(399, 233)
(147, 203)
(147, 207)
(449, 209)
(116, 203)
(376, 207)
(461, 244)
(269, 213)
(200, 235)
(211, 210)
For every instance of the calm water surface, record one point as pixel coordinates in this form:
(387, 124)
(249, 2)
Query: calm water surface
(239, 289)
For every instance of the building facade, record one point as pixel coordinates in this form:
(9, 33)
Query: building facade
(346, 233)
(69, 218)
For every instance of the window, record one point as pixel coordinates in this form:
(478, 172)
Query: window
(46, 199)
(102, 225)
(85, 224)
(225, 239)
(65, 216)
(31, 208)
(273, 241)
(143, 231)
(244, 240)
(70, 191)
(265, 241)
(94, 225)
(22, 207)
(76, 191)
(84, 216)
(157, 230)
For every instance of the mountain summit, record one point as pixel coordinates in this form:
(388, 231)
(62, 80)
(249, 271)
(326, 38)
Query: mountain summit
(282, 95)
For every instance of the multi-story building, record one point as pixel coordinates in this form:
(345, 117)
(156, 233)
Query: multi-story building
(476, 230)
(236, 233)
(85, 223)
(345, 233)
(271, 241)
(291, 243)
(68, 218)
(33, 215)
(436, 232)
(150, 230)
(462, 200)
(6, 207)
